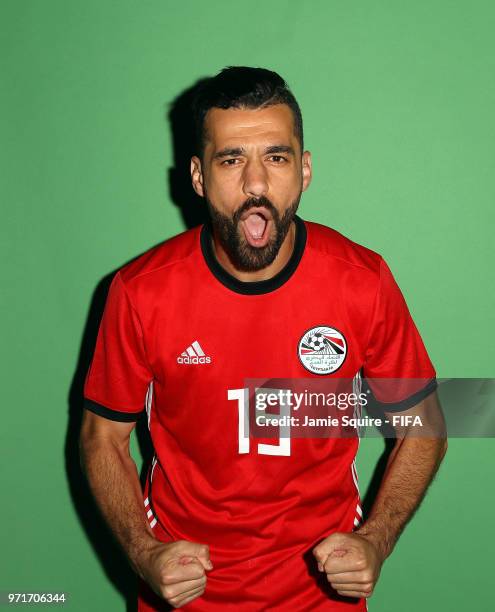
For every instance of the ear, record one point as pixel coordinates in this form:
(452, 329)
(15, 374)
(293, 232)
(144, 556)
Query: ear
(197, 176)
(307, 172)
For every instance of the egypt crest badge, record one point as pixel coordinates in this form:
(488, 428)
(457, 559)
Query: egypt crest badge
(322, 350)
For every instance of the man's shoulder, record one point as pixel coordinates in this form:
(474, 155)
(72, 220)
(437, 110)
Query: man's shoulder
(327, 243)
(164, 256)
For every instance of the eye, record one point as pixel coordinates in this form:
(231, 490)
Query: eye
(278, 159)
(229, 162)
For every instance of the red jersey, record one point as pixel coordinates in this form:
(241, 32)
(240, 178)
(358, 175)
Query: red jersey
(179, 337)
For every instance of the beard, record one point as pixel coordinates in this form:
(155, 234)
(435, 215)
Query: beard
(243, 255)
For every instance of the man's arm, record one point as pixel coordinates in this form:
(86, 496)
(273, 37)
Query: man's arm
(175, 571)
(411, 466)
(352, 561)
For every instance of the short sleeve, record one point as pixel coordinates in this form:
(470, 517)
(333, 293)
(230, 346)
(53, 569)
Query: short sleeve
(119, 376)
(397, 366)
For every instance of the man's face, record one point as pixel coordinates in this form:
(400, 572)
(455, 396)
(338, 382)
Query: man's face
(252, 175)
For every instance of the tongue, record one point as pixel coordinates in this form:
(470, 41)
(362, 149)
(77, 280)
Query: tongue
(255, 225)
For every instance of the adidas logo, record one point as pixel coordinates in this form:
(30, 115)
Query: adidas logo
(193, 354)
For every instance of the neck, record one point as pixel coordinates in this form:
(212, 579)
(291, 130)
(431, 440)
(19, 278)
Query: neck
(274, 268)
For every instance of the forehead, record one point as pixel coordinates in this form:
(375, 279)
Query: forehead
(233, 126)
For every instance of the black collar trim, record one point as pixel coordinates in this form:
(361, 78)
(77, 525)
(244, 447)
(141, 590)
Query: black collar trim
(253, 287)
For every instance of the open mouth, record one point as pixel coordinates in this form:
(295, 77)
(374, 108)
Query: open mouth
(256, 224)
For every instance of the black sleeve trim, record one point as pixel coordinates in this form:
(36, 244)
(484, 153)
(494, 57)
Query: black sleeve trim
(113, 415)
(407, 403)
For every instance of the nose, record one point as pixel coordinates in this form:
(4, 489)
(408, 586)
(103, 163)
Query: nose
(255, 179)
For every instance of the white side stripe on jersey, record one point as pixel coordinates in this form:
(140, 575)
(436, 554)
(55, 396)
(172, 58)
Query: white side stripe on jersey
(357, 388)
(149, 401)
(354, 475)
(358, 516)
(149, 512)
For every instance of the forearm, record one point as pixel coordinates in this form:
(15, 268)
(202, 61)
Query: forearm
(410, 469)
(114, 482)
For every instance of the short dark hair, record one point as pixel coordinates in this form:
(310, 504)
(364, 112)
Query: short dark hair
(242, 87)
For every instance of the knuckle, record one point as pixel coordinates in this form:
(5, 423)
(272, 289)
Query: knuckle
(168, 592)
(166, 578)
(175, 602)
(361, 564)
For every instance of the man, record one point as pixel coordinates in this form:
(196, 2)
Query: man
(226, 521)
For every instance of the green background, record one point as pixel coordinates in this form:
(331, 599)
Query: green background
(398, 103)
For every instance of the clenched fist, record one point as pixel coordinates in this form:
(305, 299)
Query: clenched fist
(176, 571)
(351, 562)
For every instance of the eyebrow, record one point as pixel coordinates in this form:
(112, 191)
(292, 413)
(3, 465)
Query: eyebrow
(236, 151)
